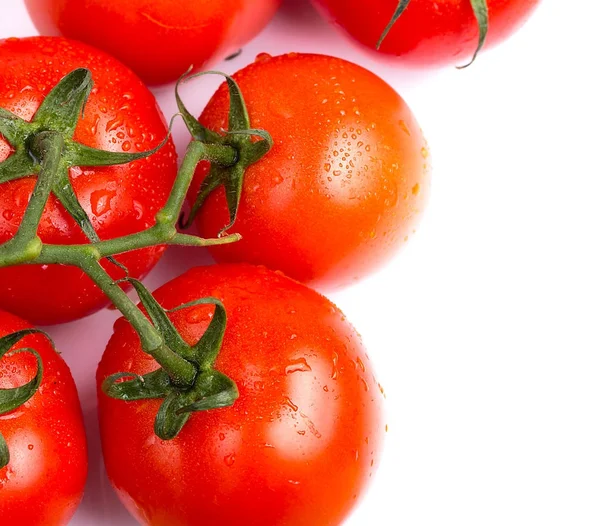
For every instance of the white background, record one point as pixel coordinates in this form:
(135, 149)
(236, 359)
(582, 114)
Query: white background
(486, 329)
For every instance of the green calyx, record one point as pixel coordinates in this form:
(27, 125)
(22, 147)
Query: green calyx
(11, 399)
(51, 132)
(480, 10)
(206, 389)
(230, 153)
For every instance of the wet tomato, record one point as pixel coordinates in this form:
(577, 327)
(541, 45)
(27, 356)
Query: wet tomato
(427, 33)
(345, 183)
(121, 115)
(158, 39)
(43, 482)
(299, 445)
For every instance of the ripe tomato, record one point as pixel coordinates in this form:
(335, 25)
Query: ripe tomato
(427, 33)
(158, 39)
(299, 445)
(121, 115)
(42, 484)
(345, 182)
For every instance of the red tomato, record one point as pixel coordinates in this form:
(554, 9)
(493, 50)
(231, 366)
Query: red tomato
(158, 39)
(299, 445)
(343, 186)
(428, 33)
(42, 484)
(121, 115)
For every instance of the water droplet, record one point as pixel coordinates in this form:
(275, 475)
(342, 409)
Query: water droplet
(259, 386)
(424, 152)
(334, 372)
(327, 167)
(404, 127)
(290, 404)
(126, 146)
(262, 57)
(360, 363)
(416, 189)
(229, 460)
(100, 201)
(325, 388)
(8, 214)
(194, 316)
(294, 482)
(302, 433)
(113, 124)
(30, 447)
(299, 365)
(365, 384)
(138, 208)
(221, 436)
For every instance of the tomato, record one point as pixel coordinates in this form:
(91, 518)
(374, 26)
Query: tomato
(427, 33)
(345, 183)
(121, 115)
(158, 39)
(42, 484)
(299, 445)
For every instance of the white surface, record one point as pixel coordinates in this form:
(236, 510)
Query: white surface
(486, 330)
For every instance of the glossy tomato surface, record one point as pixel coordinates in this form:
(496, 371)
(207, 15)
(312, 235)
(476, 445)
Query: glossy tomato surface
(343, 186)
(158, 39)
(121, 115)
(297, 448)
(428, 33)
(43, 483)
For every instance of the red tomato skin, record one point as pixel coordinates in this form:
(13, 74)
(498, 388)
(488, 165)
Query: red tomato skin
(43, 483)
(343, 187)
(300, 444)
(158, 39)
(121, 115)
(428, 34)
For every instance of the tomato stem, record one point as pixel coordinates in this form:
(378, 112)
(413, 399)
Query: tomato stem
(25, 245)
(27, 248)
(45, 147)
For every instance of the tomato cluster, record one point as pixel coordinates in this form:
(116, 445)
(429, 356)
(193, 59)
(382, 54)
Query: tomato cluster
(235, 394)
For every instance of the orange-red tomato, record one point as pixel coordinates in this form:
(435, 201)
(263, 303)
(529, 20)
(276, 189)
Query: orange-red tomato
(299, 445)
(158, 39)
(42, 484)
(428, 33)
(343, 186)
(121, 115)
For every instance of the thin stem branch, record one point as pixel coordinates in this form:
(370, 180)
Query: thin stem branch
(26, 244)
(196, 152)
(179, 369)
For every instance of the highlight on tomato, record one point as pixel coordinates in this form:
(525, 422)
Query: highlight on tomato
(298, 445)
(160, 39)
(423, 33)
(43, 449)
(106, 119)
(341, 190)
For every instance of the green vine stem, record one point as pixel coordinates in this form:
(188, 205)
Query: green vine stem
(45, 148)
